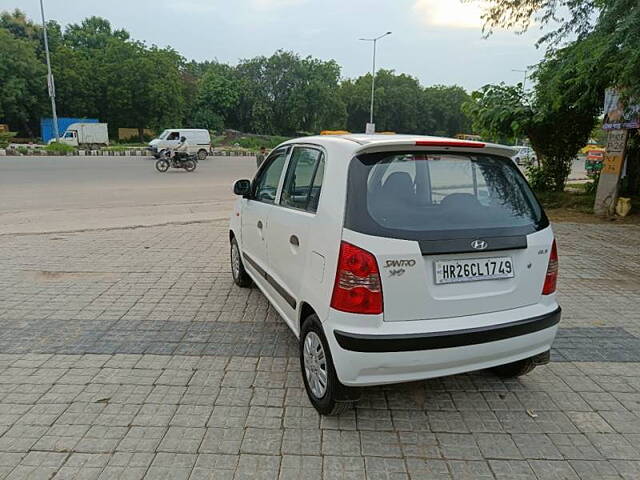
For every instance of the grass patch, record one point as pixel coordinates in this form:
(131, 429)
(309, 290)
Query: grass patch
(247, 142)
(59, 148)
(126, 146)
(254, 143)
(578, 201)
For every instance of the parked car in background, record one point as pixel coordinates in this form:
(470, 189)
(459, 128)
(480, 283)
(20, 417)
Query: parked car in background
(198, 141)
(398, 258)
(85, 135)
(524, 156)
(593, 162)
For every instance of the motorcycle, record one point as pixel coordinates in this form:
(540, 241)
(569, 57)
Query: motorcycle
(180, 160)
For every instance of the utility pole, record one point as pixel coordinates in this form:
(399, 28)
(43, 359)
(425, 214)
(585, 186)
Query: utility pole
(371, 126)
(50, 82)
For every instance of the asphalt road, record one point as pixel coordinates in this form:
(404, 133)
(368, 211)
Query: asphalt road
(55, 194)
(59, 194)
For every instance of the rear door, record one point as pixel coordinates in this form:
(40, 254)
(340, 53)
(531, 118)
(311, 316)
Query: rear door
(290, 224)
(454, 234)
(256, 210)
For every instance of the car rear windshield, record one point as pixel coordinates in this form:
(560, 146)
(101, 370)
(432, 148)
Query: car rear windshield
(422, 195)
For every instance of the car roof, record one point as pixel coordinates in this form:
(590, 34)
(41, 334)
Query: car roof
(361, 143)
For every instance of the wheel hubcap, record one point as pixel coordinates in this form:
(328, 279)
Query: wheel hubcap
(235, 260)
(315, 364)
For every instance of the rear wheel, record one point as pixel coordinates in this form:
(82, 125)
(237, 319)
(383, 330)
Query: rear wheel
(162, 165)
(202, 154)
(190, 165)
(240, 275)
(326, 393)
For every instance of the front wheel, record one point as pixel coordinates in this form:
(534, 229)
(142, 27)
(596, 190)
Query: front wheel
(162, 165)
(326, 393)
(240, 275)
(190, 165)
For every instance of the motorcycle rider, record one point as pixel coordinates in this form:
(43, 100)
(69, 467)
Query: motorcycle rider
(181, 150)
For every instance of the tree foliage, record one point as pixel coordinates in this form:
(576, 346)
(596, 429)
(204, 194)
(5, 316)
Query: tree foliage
(102, 72)
(22, 93)
(607, 30)
(403, 105)
(557, 117)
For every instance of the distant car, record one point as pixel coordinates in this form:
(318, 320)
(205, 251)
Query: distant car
(593, 163)
(525, 156)
(398, 258)
(198, 141)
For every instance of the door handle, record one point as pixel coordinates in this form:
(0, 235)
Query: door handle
(293, 240)
(260, 224)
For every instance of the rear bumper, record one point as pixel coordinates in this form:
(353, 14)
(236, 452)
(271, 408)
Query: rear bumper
(369, 359)
(437, 340)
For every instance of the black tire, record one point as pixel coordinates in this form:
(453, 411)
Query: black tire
(162, 165)
(190, 165)
(336, 398)
(240, 275)
(515, 369)
(202, 154)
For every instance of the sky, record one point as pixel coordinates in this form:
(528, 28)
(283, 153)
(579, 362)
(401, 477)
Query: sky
(437, 41)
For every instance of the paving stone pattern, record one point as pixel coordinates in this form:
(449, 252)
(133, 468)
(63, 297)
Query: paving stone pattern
(129, 354)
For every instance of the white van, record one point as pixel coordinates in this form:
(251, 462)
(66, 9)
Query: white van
(198, 141)
(398, 258)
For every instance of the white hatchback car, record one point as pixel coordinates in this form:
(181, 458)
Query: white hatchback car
(398, 258)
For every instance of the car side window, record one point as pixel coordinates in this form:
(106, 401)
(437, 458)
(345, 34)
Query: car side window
(301, 189)
(266, 183)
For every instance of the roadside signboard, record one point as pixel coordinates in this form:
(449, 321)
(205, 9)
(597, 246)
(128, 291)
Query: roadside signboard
(616, 115)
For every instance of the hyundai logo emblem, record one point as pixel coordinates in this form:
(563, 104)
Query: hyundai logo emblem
(479, 245)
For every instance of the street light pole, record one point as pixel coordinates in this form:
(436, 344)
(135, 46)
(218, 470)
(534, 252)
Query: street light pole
(50, 83)
(524, 82)
(373, 72)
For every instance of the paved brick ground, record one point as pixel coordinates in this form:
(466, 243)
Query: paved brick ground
(129, 354)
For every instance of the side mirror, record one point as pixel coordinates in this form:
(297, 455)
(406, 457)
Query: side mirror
(242, 187)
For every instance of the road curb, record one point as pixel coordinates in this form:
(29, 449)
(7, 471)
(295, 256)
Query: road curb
(111, 153)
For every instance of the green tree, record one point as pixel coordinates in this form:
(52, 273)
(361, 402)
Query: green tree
(285, 94)
(556, 125)
(396, 106)
(93, 34)
(22, 83)
(403, 105)
(19, 26)
(608, 30)
(217, 95)
(572, 78)
(441, 111)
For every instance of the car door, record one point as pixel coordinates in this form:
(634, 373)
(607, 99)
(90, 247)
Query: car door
(256, 211)
(290, 222)
(173, 139)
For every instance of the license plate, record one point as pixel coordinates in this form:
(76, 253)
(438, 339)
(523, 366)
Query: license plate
(473, 270)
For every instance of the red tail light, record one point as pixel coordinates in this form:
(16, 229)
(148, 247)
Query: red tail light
(552, 272)
(358, 288)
